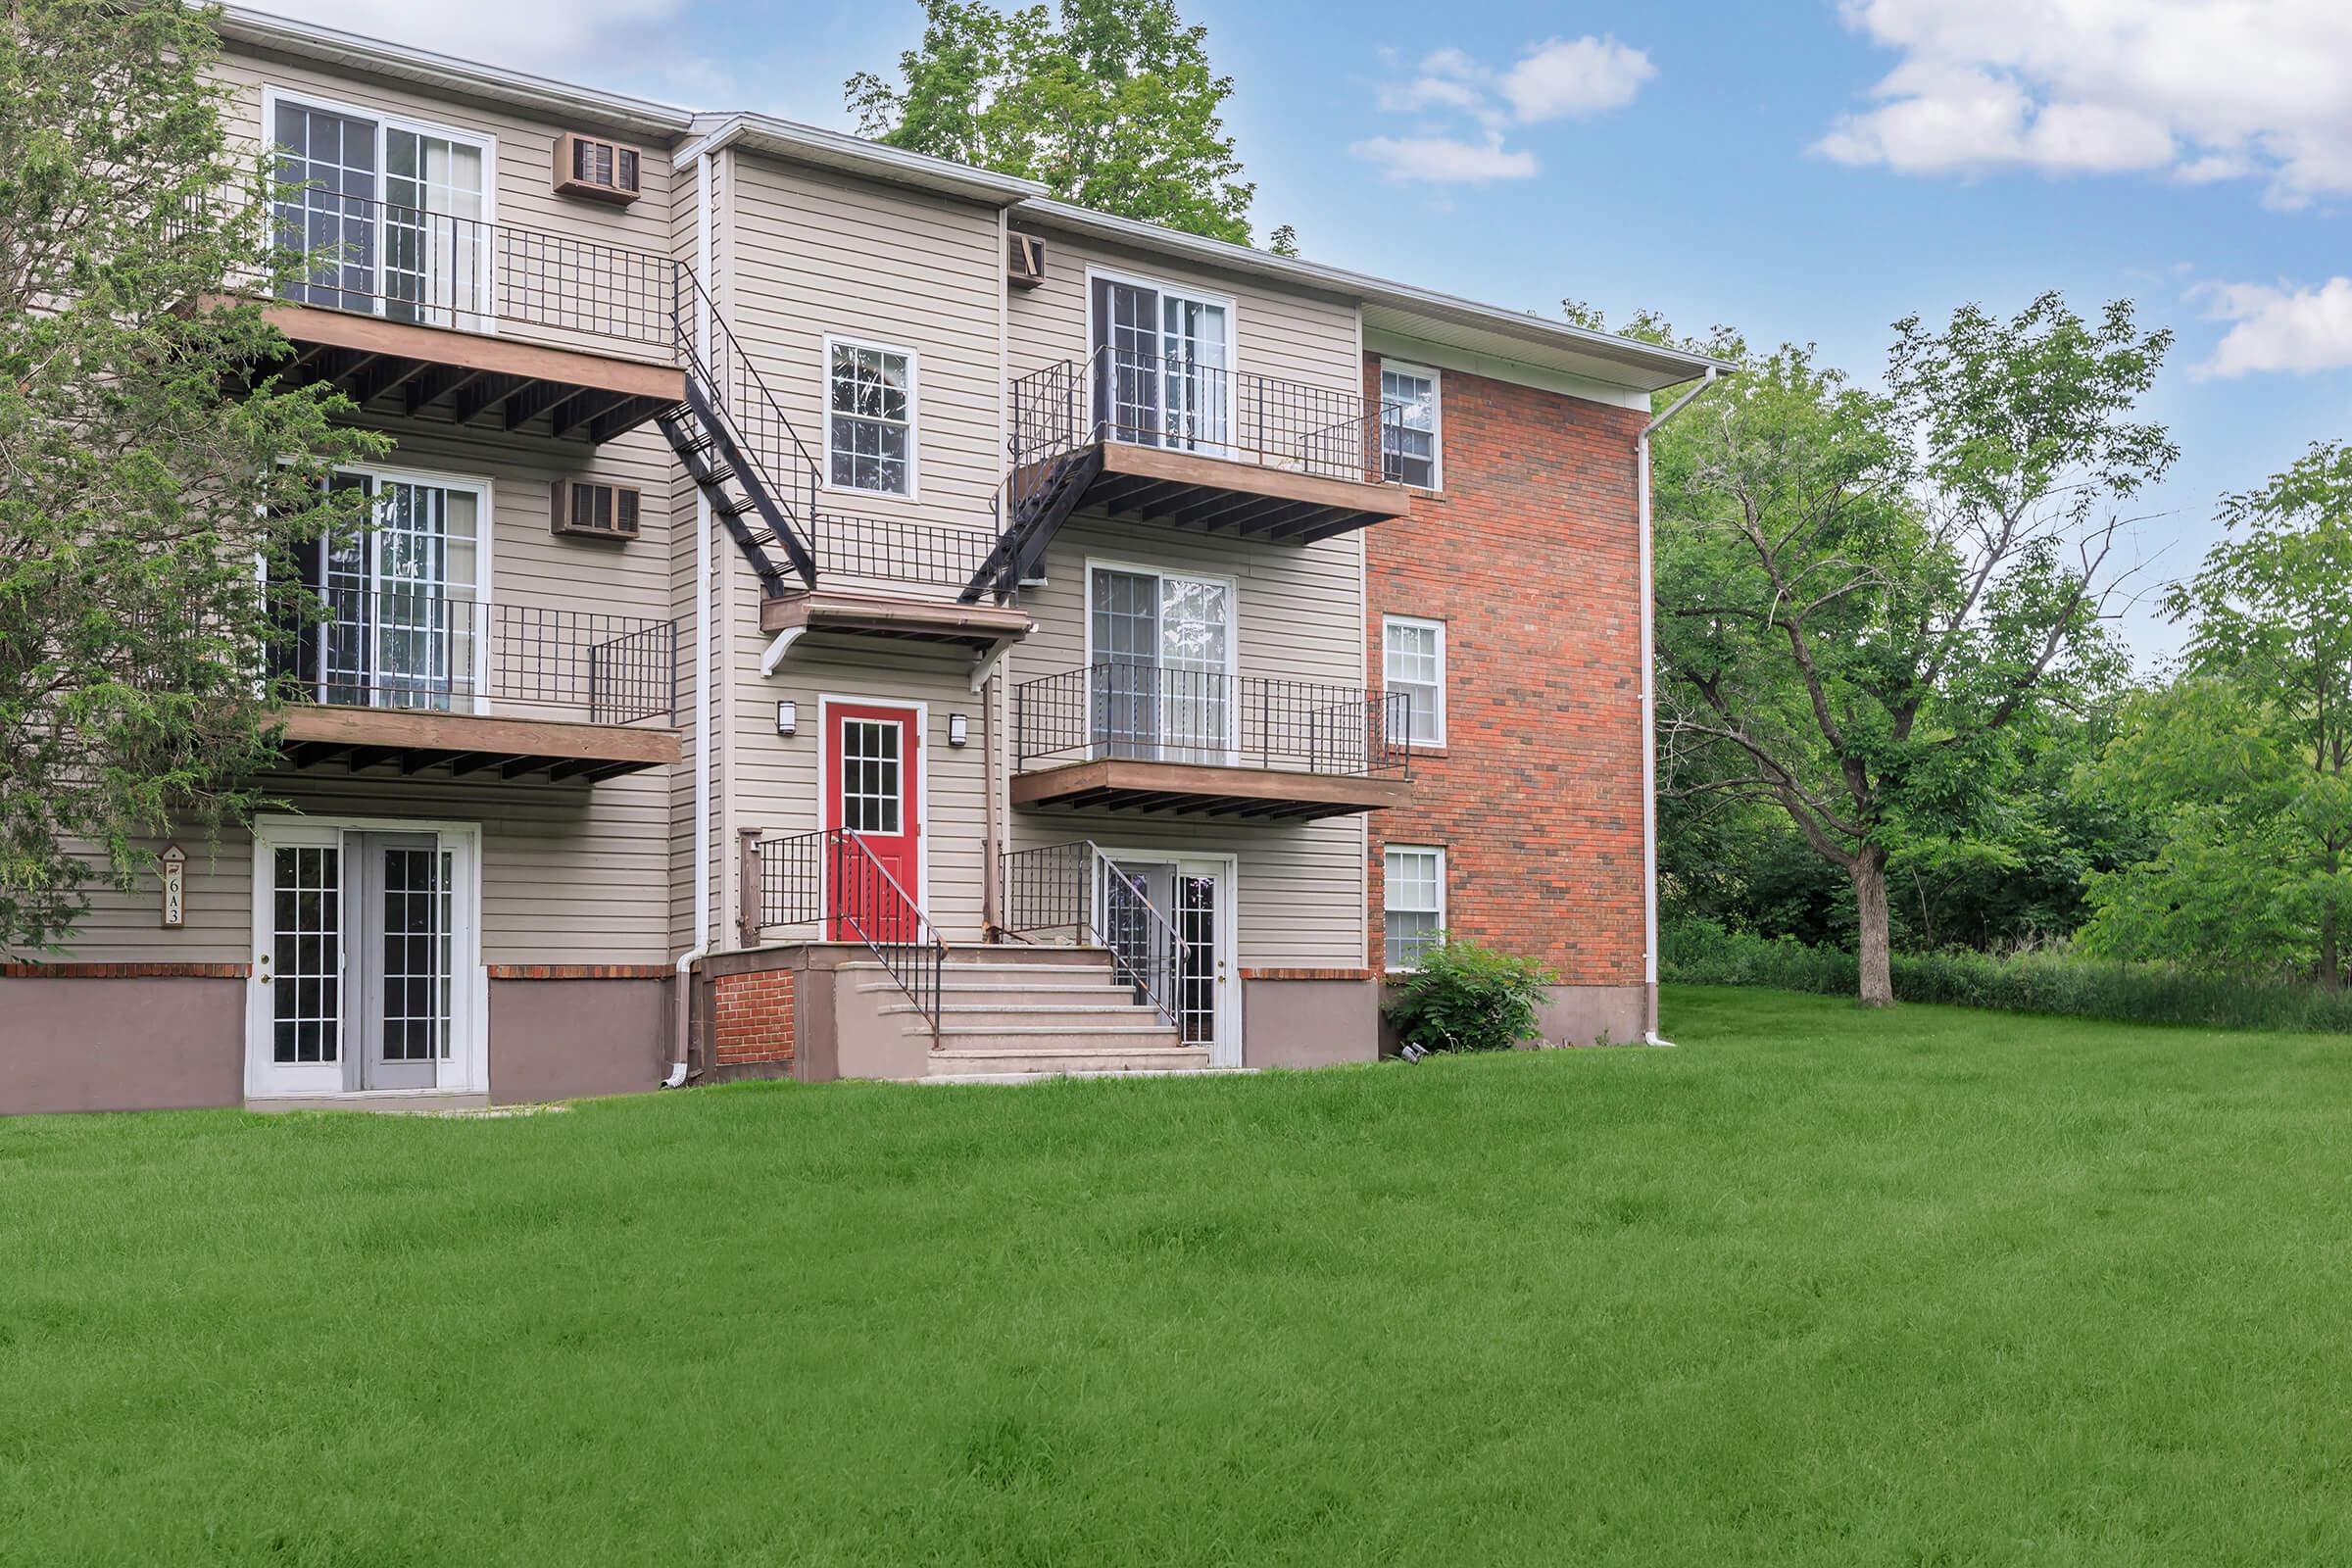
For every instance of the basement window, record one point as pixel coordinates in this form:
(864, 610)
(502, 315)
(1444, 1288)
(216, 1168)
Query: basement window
(1413, 880)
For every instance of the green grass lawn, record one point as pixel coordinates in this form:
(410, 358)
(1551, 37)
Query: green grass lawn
(1930, 1287)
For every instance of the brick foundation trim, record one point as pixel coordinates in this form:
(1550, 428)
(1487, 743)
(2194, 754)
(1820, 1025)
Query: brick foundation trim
(125, 971)
(1307, 974)
(579, 971)
(752, 1016)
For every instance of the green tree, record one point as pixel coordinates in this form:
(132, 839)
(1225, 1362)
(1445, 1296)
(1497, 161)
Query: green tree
(2246, 754)
(1867, 602)
(144, 466)
(1112, 104)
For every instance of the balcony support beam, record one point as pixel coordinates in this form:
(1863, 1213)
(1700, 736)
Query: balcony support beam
(418, 738)
(1192, 790)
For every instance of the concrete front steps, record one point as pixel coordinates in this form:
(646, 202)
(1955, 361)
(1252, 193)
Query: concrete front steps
(1019, 1013)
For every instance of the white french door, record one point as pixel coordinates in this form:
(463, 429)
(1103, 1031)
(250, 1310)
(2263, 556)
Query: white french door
(1194, 893)
(1163, 364)
(366, 971)
(385, 218)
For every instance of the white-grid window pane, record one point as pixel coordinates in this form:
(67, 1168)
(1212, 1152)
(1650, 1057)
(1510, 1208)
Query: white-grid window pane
(1409, 444)
(1414, 661)
(307, 991)
(869, 775)
(1414, 884)
(870, 429)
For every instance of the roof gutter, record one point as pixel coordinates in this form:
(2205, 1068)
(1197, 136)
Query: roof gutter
(1649, 710)
(871, 159)
(1674, 365)
(562, 101)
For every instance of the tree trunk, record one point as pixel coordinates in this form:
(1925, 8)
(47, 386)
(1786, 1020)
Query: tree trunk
(2330, 975)
(1868, 873)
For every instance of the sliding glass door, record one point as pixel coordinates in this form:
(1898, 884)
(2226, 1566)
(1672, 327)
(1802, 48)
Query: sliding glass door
(1162, 650)
(403, 624)
(1162, 366)
(381, 218)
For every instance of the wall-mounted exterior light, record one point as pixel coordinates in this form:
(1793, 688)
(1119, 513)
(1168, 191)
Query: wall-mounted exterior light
(960, 730)
(788, 719)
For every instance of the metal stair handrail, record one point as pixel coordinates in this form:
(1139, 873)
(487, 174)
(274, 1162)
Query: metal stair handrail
(1052, 888)
(756, 427)
(831, 876)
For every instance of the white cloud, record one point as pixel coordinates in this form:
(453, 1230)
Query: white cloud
(2200, 89)
(631, 42)
(1445, 161)
(1575, 77)
(2278, 327)
(1557, 78)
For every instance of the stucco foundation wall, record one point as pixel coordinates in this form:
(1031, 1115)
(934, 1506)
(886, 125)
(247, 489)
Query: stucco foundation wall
(568, 1039)
(1577, 1016)
(140, 1044)
(1309, 1023)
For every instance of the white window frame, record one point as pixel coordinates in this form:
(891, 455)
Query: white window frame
(914, 423)
(1437, 420)
(1388, 680)
(484, 142)
(1388, 884)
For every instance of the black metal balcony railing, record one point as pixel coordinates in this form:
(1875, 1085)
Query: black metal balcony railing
(1152, 713)
(896, 550)
(421, 649)
(1183, 405)
(352, 253)
(1073, 891)
(832, 879)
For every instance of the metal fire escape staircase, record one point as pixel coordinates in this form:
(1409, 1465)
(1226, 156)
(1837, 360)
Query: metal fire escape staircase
(737, 446)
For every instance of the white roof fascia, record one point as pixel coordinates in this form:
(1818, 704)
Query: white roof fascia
(1648, 362)
(557, 100)
(833, 149)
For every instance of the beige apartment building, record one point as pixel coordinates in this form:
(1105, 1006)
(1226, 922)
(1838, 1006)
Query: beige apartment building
(831, 612)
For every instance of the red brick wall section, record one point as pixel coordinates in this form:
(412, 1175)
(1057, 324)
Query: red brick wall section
(1532, 558)
(752, 1017)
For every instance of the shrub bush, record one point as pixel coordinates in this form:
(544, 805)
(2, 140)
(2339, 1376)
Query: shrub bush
(1702, 953)
(1463, 996)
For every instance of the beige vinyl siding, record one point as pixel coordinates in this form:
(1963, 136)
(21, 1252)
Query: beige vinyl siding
(570, 874)
(1290, 334)
(816, 253)
(685, 519)
(807, 253)
(534, 570)
(525, 164)
(1299, 895)
(1297, 615)
(776, 780)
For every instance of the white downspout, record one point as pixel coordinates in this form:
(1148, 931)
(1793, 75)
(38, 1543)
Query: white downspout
(681, 1053)
(1649, 717)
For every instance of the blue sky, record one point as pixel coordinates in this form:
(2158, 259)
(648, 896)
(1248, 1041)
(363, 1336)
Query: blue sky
(1804, 170)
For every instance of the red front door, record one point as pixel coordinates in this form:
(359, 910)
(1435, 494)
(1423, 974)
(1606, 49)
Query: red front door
(873, 764)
